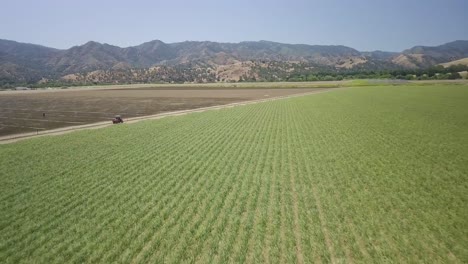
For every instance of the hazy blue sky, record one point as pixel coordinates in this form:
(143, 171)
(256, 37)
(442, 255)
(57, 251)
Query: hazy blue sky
(391, 25)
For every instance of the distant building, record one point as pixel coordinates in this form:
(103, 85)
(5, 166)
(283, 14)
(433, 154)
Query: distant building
(22, 88)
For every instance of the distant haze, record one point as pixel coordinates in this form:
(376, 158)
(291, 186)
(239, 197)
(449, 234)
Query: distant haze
(361, 24)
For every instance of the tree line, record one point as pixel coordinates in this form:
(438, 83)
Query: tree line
(433, 73)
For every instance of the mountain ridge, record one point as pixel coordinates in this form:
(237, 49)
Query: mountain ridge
(24, 62)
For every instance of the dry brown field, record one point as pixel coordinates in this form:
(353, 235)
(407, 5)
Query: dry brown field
(37, 111)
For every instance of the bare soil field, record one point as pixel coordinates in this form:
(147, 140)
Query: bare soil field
(37, 111)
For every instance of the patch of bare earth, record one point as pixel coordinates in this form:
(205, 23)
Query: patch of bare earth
(234, 72)
(350, 62)
(31, 114)
(456, 62)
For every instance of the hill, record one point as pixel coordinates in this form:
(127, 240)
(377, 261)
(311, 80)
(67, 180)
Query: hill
(423, 56)
(463, 61)
(201, 61)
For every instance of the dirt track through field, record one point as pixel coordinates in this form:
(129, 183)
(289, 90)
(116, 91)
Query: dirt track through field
(59, 131)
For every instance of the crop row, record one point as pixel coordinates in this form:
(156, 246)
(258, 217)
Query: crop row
(356, 175)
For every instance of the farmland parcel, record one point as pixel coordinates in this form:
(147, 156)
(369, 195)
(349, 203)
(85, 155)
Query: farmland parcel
(39, 111)
(355, 175)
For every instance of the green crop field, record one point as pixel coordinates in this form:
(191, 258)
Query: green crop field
(369, 174)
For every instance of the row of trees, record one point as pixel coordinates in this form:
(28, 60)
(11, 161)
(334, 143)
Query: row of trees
(433, 73)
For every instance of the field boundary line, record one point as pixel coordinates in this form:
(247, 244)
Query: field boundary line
(59, 131)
